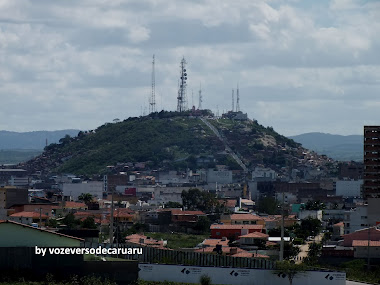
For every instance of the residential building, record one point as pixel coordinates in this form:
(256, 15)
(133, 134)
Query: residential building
(356, 219)
(233, 232)
(185, 218)
(371, 186)
(220, 177)
(365, 248)
(6, 174)
(212, 242)
(372, 234)
(338, 231)
(313, 214)
(348, 188)
(242, 219)
(142, 240)
(29, 218)
(263, 174)
(11, 195)
(74, 190)
(253, 240)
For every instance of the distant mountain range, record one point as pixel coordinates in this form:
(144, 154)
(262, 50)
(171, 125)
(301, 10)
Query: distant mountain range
(338, 147)
(18, 147)
(31, 140)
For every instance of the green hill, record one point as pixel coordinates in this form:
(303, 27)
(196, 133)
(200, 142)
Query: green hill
(166, 139)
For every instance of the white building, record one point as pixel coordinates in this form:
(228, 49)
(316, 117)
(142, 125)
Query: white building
(349, 188)
(74, 190)
(262, 173)
(356, 219)
(220, 177)
(289, 198)
(19, 181)
(314, 214)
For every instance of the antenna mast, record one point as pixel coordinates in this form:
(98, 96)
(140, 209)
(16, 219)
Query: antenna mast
(152, 102)
(200, 98)
(182, 87)
(237, 99)
(233, 100)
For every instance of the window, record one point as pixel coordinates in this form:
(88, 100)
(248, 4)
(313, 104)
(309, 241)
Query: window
(218, 233)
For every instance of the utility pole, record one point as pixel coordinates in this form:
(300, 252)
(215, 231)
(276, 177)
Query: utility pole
(111, 220)
(282, 228)
(368, 249)
(152, 101)
(40, 218)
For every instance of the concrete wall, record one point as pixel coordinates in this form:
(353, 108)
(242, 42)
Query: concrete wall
(231, 276)
(12, 235)
(95, 188)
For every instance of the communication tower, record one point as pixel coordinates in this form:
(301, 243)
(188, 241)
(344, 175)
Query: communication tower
(233, 101)
(200, 98)
(181, 99)
(237, 99)
(152, 101)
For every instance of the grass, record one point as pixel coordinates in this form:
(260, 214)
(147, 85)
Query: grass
(178, 240)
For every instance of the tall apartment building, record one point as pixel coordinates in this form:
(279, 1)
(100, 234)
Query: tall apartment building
(371, 186)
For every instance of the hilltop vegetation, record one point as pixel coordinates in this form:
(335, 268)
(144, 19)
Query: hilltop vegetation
(166, 139)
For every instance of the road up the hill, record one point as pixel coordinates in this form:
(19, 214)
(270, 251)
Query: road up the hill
(226, 146)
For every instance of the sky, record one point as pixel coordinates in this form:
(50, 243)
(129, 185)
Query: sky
(301, 66)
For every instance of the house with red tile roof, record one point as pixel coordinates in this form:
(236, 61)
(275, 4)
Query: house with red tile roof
(253, 240)
(373, 235)
(212, 242)
(233, 231)
(27, 218)
(69, 206)
(242, 219)
(185, 218)
(142, 240)
(362, 248)
(232, 251)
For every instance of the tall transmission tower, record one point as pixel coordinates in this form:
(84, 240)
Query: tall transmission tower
(233, 101)
(237, 99)
(181, 99)
(152, 101)
(200, 97)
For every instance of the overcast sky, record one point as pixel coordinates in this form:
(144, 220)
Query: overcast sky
(302, 66)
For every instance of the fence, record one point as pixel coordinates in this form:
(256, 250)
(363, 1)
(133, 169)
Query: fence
(167, 256)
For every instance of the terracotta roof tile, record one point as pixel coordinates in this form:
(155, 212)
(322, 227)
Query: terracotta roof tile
(255, 235)
(26, 214)
(246, 217)
(246, 227)
(375, 243)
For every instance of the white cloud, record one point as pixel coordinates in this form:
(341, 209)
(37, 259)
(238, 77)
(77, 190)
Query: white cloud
(301, 66)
